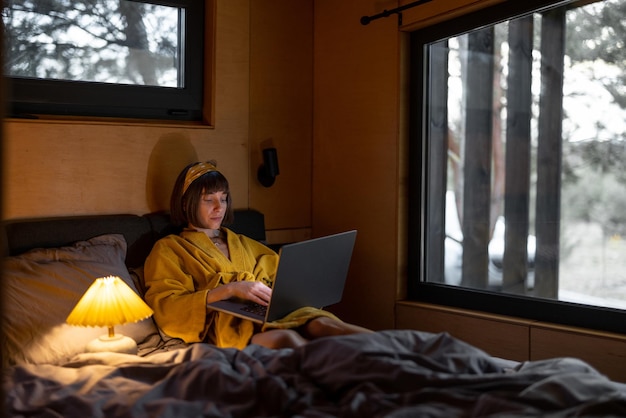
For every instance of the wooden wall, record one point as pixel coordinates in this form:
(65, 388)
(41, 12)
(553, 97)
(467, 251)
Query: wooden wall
(519, 339)
(281, 101)
(356, 150)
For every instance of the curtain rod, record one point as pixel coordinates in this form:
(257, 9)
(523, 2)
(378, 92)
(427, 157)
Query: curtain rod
(386, 13)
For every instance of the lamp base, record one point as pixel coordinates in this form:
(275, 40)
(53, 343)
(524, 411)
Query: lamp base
(118, 344)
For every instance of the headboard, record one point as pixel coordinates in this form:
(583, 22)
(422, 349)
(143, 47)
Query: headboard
(140, 232)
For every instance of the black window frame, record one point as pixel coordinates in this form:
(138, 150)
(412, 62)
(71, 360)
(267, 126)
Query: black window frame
(30, 98)
(538, 309)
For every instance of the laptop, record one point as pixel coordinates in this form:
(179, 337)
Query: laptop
(310, 273)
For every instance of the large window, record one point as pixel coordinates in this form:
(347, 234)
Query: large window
(519, 149)
(121, 58)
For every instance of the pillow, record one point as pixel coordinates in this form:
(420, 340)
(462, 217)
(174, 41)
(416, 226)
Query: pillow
(42, 286)
(136, 274)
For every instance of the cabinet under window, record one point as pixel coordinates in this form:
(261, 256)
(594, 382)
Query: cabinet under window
(518, 145)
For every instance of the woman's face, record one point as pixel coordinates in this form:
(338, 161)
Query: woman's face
(212, 209)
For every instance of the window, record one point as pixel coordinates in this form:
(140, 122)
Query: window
(119, 58)
(518, 144)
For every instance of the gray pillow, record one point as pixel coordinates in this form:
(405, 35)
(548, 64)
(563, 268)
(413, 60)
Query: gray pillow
(40, 289)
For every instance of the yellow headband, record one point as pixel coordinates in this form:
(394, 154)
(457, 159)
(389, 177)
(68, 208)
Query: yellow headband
(195, 172)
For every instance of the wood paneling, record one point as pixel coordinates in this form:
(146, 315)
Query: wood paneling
(497, 335)
(356, 151)
(519, 339)
(281, 71)
(605, 351)
(56, 169)
(285, 236)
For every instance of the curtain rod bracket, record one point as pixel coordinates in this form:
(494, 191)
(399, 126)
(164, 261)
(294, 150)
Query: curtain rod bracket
(365, 20)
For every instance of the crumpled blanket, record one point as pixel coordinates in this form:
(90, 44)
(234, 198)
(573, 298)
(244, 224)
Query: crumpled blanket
(395, 373)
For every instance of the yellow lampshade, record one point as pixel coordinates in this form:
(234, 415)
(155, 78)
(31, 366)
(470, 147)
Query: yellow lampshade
(109, 302)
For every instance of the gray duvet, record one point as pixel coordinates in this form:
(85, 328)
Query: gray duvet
(389, 373)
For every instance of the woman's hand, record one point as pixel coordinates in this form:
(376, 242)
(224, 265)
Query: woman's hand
(256, 292)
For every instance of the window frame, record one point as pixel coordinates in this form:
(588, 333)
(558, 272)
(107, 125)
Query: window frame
(32, 98)
(421, 211)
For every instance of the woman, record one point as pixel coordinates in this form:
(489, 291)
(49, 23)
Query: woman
(207, 262)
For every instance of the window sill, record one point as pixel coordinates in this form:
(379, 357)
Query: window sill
(50, 119)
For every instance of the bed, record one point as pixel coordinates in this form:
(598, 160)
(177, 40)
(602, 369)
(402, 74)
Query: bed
(50, 263)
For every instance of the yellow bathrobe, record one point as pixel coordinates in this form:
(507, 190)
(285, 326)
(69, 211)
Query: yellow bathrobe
(181, 269)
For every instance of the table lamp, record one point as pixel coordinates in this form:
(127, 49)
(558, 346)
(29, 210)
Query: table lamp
(109, 302)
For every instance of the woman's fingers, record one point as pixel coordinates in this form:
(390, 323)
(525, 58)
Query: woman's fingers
(255, 291)
(262, 292)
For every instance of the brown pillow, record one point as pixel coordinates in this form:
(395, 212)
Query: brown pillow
(42, 286)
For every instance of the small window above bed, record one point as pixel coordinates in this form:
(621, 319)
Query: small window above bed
(105, 58)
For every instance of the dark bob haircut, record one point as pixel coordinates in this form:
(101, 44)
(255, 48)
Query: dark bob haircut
(184, 208)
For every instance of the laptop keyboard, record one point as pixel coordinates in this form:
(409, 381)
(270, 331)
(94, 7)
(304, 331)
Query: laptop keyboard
(255, 308)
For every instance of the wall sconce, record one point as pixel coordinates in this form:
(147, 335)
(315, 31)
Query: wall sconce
(269, 169)
(109, 302)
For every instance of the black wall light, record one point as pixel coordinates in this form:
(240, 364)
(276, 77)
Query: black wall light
(269, 169)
